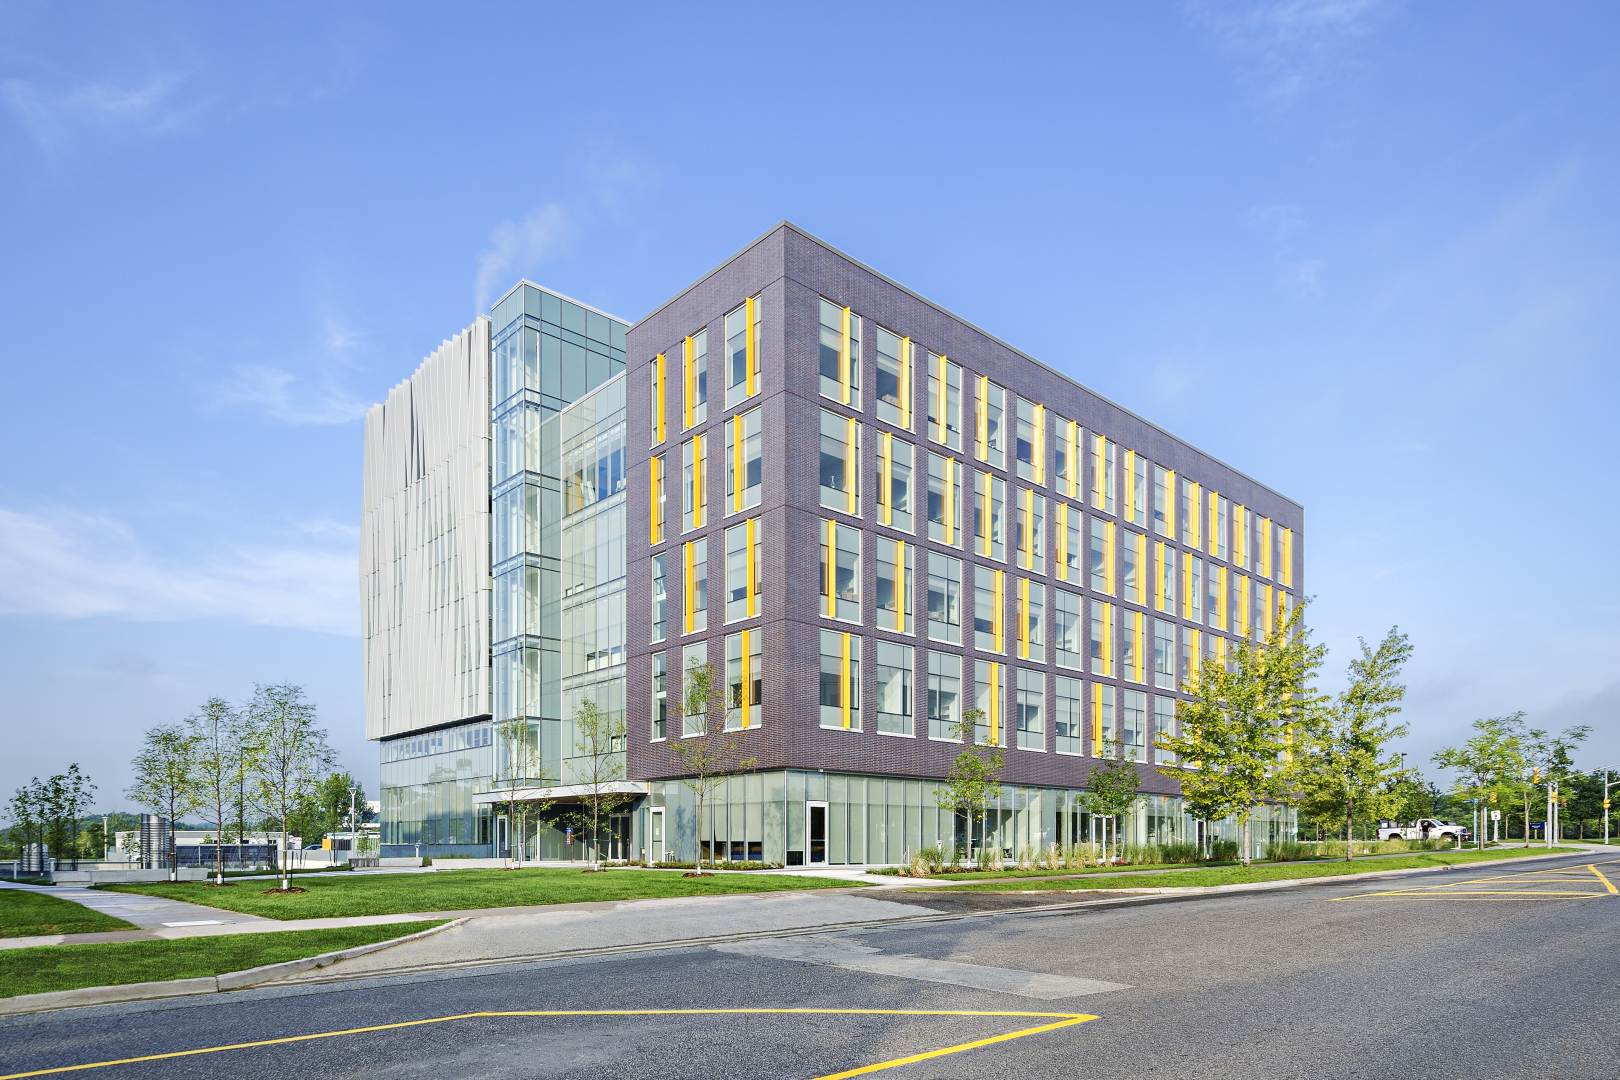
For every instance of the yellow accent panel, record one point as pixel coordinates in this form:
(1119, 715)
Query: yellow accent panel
(1108, 637)
(747, 683)
(737, 462)
(1061, 541)
(1195, 537)
(1130, 485)
(750, 350)
(1040, 444)
(1265, 547)
(658, 395)
(844, 361)
(1240, 534)
(905, 383)
(843, 683)
(1240, 587)
(885, 490)
(984, 482)
(982, 431)
(830, 585)
(1099, 471)
(1073, 460)
(1029, 529)
(1110, 563)
(1196, 647)
(1170, 501)
(1158, 575)
(1140, 540)
(950, 500)
(851, 452)
(1186, 586)
(942, 394)
(902, 587)
(689, 380)
(995, 702)
(689, 594)
(1096, 719)
(995, 617)
(749, 567)
(699, 503)
(1285, 572)
(1220, 596)
(1023, 618)
(655, 486)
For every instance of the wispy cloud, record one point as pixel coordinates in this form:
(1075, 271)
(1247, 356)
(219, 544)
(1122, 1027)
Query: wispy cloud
(289, 398)
(1283, 224)
(53, 117)
(517, 245)
(1287, 48)
(72, 565)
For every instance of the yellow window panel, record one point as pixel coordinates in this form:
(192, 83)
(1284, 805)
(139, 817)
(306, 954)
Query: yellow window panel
(844, 688)
(885, 489)
(1029, 529)
(1169, 496)
(1140, 540)
(1214, 523)
(1040, 444)
(747, 682)
(689, 594)
(1061, 541)
(750, 350)
(658, 396)
(1130, 485)
(689, 383)
(851, 453)
(905, 383)
(995, 704)
(830, 585)
(982, 431)
(1110, 562)
(1096, 719)
(736, 462)
(1285, 572)
(1073, 460)
(950, 501)
(750, 569)
(655, 517)
(902, 587)
(844, 361)
(1186, 586)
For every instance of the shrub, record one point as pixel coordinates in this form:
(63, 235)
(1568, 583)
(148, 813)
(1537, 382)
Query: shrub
(1223, 850)
(1178, 852)
(1290, 851)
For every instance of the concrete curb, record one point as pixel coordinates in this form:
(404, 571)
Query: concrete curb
(211, 984)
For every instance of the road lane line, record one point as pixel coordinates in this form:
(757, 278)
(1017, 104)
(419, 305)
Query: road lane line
(929, 1055)
(1607, 884)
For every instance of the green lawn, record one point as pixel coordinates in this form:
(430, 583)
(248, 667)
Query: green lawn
(393, 894)
(70, 967)
(1235, 875)
(32, 914)
(1003, 875)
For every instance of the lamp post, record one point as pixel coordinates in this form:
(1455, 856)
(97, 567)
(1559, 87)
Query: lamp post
(1608, 782)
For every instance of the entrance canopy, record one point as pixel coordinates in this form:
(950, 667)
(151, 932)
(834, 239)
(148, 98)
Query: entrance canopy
(563, 793)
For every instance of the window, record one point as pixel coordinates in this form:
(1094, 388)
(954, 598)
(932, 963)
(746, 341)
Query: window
(742, 352)
(1262, 548)
(840, 457)
(944, 499)
(693, 658)
(658, 370)
(944, 401)
(1164, 723)
(1029, 710)
(1102, 720)
(1066, 715)
(987, 699)
(989, 515)
(989, 441)
(743, 669)
(693, 483)
(1102, 638)
(1133, 726)
(1164, 654)
(1219, 510)
(1192, 582)
(1030, 530)
(894, 482)
(894, 689)
(1068, 631)
(1068, 547)
(944, 696)
(1133, 568)
(1031, 617)
(987, 608)
(1240, 536)
(1164, 502)
(1069, 442)
(893, 582)
(1262, 611)
(1029, 441)
(1243, 625)
(660, 598)
(1164, 577)
(1132, 647)
(1191, 496)
(1285, 557)
(1102, 557)
(893, 379)
(1103, 483)
(743, 459)
(840, 571)
(659, 726)
(1191, 656)
(696, 594)
(743, 570)
(944, 598)
(840, 680)
(655, 512)
(840, 355)
(695, 379)
(1215, 596)
(1136, 488)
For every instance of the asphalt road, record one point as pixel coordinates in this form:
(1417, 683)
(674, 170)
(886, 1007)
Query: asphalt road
(1476, 973)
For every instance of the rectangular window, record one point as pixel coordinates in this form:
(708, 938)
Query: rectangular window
(1219, 512)
(1262, 611)
(1285, 557)
(1136, 488)
(944, 499)
(744, 570)
(1133, 567)
(893, 581)
(1192, 581)
(1029, 533)
(1068, 629)
(894, 689)
(743, 459)
(1069, 549)
(1215, 596)
(840, 571)
(1262, 548)
(695, 657)
(840, 355)
(659, 726)
(1164, 654)
(1103, 482)
(658, 370)
(1102, 638)
(988, 694)
(1029, 441)
(743, 348)
(655, 512)
(1067, 715)
(660, 598)
(1191, 653)
(1240, 536)
(1164, 502)
(894, 481)
(695, 379)
(1133, 726)
(893, 379)
(1031, 618)
(944, 696)
(1133, 645)
(1102, 557)
(1243, 625)
(696, 594)
(1191, 505)
(944, 401)
(988, 604)
(1069, 443)
(1164, 723)
(1164, 577)
(1103, 734)
(840, 680)
(989, 515)
(989, 444)
(743, 668)
(944, 598)
(694, 484)
(1030, 710)
(840, 463)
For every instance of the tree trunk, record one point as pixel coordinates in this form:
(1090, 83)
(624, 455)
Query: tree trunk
(1243, 856)
(697, 851)
(219, 843)
(1349, 829)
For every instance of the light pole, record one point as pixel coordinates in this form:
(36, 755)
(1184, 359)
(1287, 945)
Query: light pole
(1608, 782)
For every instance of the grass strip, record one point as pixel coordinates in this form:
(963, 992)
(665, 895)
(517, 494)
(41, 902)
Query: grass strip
(395, 894)
(45, 968)
(32, 914)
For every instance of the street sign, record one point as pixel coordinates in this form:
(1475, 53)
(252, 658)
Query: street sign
(1538, 824)
(1496, 815)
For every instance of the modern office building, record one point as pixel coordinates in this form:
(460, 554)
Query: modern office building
(862, 514)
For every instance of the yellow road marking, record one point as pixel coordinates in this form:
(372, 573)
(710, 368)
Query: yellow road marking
(1060, 1020)
(1452, 896)
(1607, 884)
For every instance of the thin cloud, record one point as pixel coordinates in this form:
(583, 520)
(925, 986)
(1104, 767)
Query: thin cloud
(1287, 48)
(289, 398)
(514, 245)
(71, 565)
(54, 117)
(1283, 225)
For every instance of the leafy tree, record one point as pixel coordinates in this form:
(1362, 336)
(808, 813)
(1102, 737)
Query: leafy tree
(1111, 791)
(1341, 761)
(325, 808)
(710, 761)
(164, 783)
(1237, 729)
(25, 811)
(292, 756)
(522, 771)
(1490, 760)
(221, 739)
(599, 740)
(974, 780)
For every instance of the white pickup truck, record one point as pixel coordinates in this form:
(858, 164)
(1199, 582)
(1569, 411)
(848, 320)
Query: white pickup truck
(1421, 829)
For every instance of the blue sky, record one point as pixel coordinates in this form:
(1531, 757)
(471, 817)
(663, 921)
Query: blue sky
(1365, 251)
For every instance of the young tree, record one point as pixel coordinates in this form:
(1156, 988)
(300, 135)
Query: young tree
(1490, 760)
(1554, 757)
(220, 736)
(1111, 792)
(709, 761)
(1342, 764)
(1237, 730)
(599, 740)
(522, 770)
(292, 757)
(164, 782)
(974, 780)
(24, 810)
